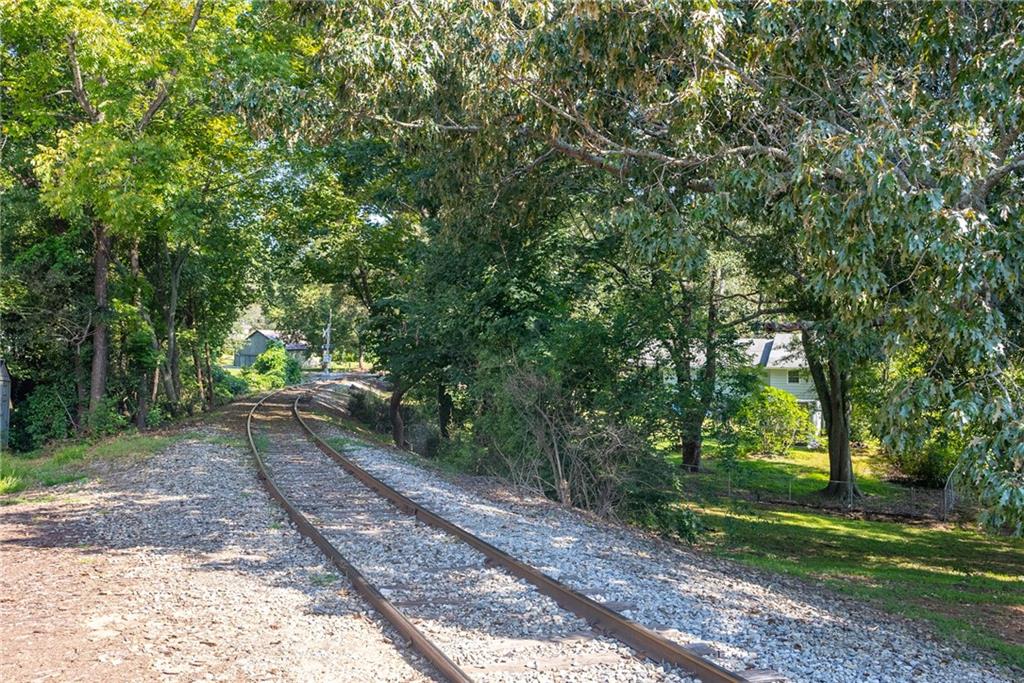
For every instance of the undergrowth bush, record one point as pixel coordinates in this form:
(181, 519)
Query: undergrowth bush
(369, 409)
(42, 416)
(771, 422)
(107, 420)
(929, 463)
(227, 386)
(272, 369)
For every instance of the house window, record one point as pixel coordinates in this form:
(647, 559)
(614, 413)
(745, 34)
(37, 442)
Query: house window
(794, 377)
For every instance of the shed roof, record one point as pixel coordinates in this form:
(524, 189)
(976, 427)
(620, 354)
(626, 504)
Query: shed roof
(297, 345)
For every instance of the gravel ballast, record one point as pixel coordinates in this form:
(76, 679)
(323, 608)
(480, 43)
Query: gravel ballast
(493, 625)
(748, 619)
(180, 568)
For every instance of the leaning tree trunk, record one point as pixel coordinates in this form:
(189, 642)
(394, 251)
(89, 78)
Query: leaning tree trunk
(693, 429)
(100, 334)
(395, 413)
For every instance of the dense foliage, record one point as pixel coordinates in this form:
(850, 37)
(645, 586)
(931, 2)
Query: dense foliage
(860, 161)
(771, 422)
(131, 199)
(548, 223)
(272, 369)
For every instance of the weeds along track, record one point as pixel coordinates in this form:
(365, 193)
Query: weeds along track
(473, 611)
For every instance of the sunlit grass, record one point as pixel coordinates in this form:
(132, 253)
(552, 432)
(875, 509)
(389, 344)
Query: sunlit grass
(799, 475)
(66, 462)
(942, 574)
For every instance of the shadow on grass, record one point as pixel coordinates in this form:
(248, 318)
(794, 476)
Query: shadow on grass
(942, 574)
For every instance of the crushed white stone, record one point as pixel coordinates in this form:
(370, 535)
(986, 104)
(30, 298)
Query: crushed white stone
(493, 625)
(749, 620)
(203, 579)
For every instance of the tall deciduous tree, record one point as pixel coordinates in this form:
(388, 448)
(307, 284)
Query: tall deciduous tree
(863, 153)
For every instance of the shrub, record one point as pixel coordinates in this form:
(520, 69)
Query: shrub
(369, 409)
(156, 416)
(42, 417)
(272, 369)
(462, 453)
(770, 421)
(929, 463)
(107, 420)
(227, 386)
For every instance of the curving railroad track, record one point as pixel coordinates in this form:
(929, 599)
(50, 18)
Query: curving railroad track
(470, 609)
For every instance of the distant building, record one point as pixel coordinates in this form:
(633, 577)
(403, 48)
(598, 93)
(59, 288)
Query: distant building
(258, 341)
(781, 364)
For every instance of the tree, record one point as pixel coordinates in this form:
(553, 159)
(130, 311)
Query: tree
(121, 132)
(885, 195)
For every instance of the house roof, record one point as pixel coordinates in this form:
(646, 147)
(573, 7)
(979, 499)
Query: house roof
(299, 345)
(783, 351)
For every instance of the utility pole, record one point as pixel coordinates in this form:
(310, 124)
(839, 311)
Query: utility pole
(327, 341)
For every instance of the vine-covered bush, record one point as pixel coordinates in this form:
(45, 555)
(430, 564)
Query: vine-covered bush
(272, 369)
(42, 417)
(771, 422)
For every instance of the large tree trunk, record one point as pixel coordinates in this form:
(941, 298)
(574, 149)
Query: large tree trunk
(693, 434)
(173, 351)
(692, 445)
(100, 334)
(444, 411)
(395, 413)
(833, 385)
(171, 374)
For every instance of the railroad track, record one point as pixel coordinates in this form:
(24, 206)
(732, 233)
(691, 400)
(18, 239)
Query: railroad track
(470, 609)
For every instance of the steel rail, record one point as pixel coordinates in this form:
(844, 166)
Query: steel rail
(639, 637)
(420, 642)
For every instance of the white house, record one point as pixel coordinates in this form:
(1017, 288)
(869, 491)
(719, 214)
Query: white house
(781, 364)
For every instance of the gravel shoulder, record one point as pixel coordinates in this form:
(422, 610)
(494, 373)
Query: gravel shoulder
(748, 619)
(180, 568)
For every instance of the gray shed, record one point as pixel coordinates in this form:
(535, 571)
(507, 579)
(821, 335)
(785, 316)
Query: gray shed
(258, 341)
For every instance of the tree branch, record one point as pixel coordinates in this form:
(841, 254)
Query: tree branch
(980, 194)
(77, 86)
(162, 92)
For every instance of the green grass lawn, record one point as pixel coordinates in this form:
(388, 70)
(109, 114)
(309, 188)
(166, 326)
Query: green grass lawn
(66, 462)
(967, 584)
(800, 475)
